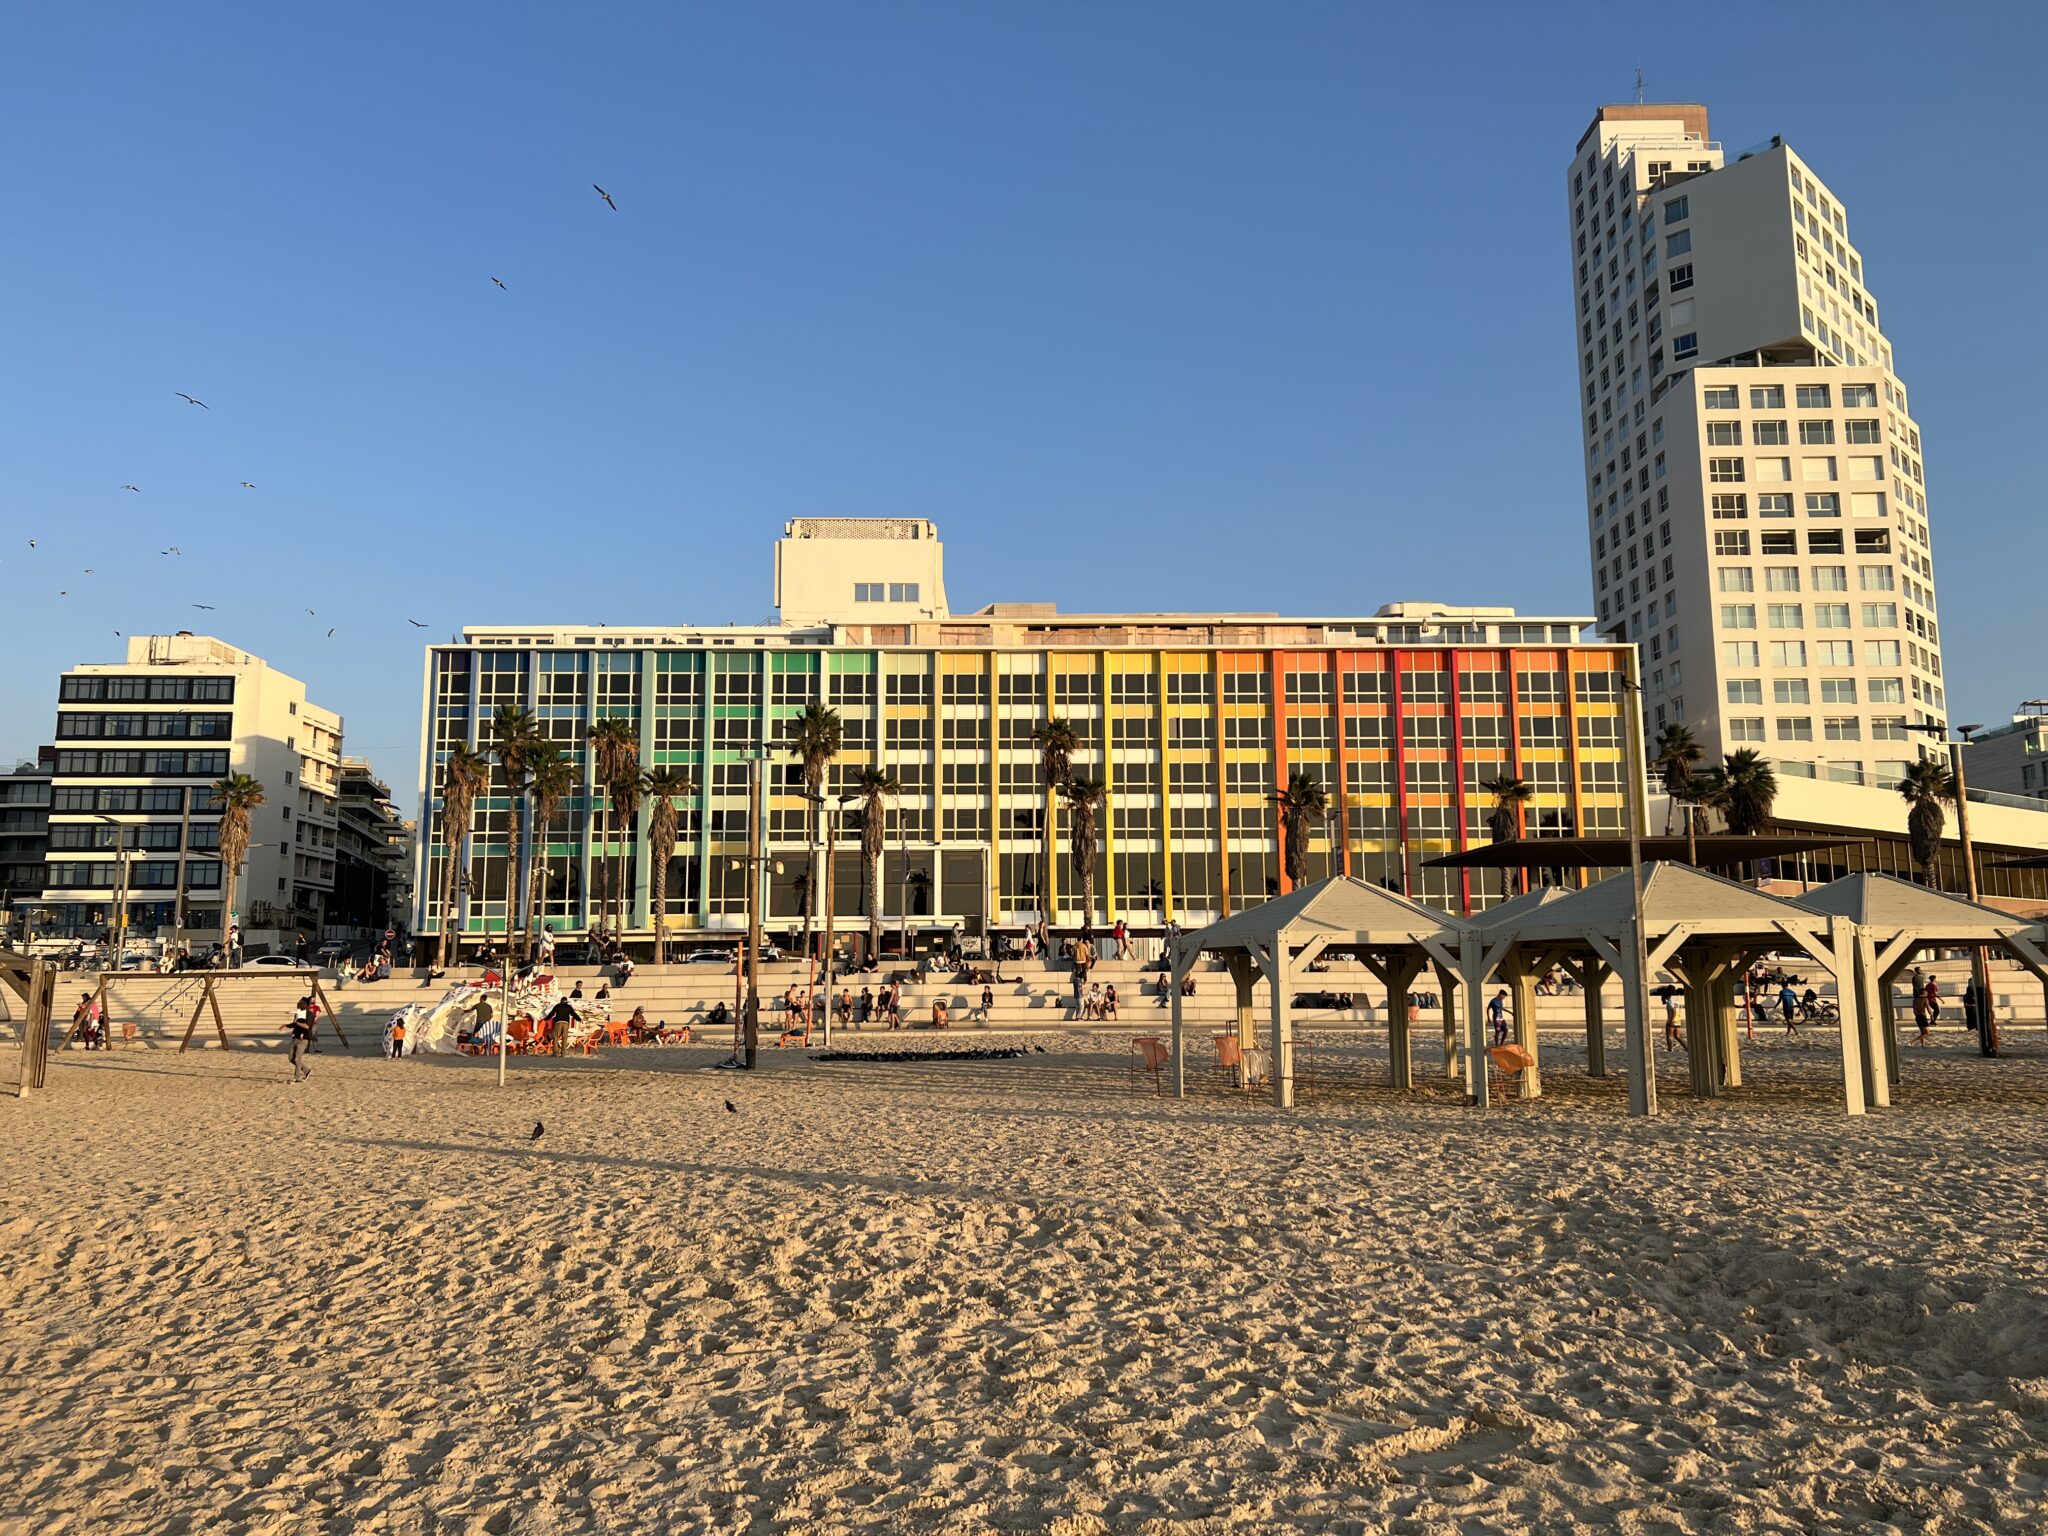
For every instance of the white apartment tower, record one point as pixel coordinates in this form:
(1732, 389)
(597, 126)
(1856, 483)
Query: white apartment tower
(1755, 505)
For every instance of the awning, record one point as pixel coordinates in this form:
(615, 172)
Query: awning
(1716, 850)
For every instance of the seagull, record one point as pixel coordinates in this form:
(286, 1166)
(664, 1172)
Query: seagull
(415, 623)
(173, 550)
(538, 1130)
(248, 485)
(207, 606)
(88, 570)
(31, 543)
(600, 191)
(310, 611)
(131, 487)
(731, 1108)
(501, 283)
(190, 401)
(330, 634)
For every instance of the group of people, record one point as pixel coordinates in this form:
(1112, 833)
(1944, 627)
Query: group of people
(1095, 1001)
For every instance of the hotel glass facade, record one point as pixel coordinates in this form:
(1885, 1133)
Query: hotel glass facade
(1190, 721)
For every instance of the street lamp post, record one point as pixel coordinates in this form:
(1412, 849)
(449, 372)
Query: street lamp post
(823, 1003)
(121, 898)
(1980, 965)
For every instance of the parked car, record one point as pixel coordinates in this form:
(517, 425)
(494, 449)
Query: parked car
(333, 950)
(281, 963)
(708, 957)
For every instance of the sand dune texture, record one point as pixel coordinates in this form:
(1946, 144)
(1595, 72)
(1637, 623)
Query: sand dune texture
(1007, 1296)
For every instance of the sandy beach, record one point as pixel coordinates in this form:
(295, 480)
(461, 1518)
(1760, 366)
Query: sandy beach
(1011, 1296)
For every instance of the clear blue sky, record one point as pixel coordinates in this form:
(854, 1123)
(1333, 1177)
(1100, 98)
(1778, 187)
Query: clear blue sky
(1148, 305)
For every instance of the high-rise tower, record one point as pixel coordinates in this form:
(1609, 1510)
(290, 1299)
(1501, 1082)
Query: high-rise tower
(1755, 505)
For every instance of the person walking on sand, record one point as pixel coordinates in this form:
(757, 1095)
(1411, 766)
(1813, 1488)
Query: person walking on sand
(1920, 1005)
(301, 1030)
(1497, 1016)
(1672, 1038)
(1932, 997)
(1788, 1006)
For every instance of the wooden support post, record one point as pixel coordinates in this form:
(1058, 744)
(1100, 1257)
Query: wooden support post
(1522, 978)
(1592, 976)
(1727, 1021)
(1401, 975)
(1174, 972)
(1472, 965)
(1839, 955)
(1447, 989)
(334, 1018)
(106, 1013)
(199, 1007)
(40, 996)
(1865, 987)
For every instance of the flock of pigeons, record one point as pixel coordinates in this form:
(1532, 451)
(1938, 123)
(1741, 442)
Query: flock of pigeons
(173, 551)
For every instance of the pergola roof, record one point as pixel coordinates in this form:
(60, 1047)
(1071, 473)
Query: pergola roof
(1672, 894)
(1510, 913)
(1342, 909)
(1884, 901)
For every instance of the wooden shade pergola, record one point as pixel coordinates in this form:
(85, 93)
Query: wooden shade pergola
(1395, 938)
(1896, 919)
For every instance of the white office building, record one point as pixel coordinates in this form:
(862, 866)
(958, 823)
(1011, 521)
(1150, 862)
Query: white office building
(1756, 508)
(133, 828)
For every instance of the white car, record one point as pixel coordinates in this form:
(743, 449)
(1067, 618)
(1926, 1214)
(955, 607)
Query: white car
(708, 957)
(280, 963)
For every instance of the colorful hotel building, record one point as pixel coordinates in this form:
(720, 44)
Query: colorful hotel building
(1191, 721)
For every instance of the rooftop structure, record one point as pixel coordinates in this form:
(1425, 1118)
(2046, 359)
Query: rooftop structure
(2012, 759)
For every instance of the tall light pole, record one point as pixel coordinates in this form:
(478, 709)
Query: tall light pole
(832, 810)
(121, 898)
(903, 856)
(1980, 965)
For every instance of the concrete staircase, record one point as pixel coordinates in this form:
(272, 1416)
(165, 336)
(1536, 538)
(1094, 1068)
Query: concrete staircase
(1034, 995)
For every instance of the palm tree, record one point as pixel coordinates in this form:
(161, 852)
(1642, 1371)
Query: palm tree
(1057, 742)
(514, 734)
(1750, 786)
(551, 773)
(874, 786)
(1303, 800)
(236, 795)
(814, 736)
(615, 754)
(1676, 752)
(464, 776)
(1927, 786)
(1705, 791)
(663, 786)
(1504, 821)
(1084, 800)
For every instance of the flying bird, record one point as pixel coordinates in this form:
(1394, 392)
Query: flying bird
(330, 634)
(207, 606)
(415, 623)
(501, 283)
(310, 611)
(248, 485)
(190, 401)
(173, 550)
(600, 191)
(131, 487)
(31, 543)
(538, 1129)
(88, 570)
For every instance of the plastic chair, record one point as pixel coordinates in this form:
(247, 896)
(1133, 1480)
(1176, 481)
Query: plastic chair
(617, 1032)
(1505, 1064)
(1149, 1056)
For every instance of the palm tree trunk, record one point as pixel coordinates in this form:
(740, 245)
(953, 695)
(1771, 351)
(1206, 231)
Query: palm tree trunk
(515, 878)
(1692, 836)
(227, 905)
(447, 894)
(874, 879)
